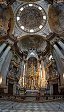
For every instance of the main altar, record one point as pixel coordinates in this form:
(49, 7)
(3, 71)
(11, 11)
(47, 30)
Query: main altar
(33, 76)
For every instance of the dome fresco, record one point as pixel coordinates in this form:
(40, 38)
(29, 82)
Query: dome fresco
(31, 17)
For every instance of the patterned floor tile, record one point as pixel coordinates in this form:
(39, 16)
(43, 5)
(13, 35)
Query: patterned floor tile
(9, 106)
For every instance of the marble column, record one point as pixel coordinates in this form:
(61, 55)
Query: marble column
(58, 62)
(5, 67)
(3, 57)
(38, 63)
(60, 65)
(43, 74)
(59, 57)
(2, 47)
(24, 75)
(58, 51)
(61, 44)
(22, 67)
(14, 88)
(26, 64)
(51, 89)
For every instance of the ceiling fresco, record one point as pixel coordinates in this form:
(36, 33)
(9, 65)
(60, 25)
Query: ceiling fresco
(56, 18)
(33, 42)
(31, 17)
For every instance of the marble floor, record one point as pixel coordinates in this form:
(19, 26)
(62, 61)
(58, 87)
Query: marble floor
(9, 106)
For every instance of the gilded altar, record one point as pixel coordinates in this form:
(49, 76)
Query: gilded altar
(33, 75)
